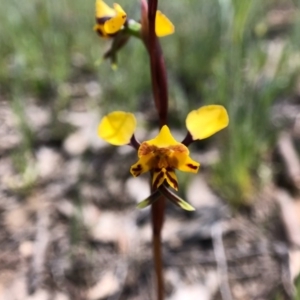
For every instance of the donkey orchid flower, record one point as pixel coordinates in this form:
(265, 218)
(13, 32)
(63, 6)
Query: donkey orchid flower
(163, 154)
(109, 20)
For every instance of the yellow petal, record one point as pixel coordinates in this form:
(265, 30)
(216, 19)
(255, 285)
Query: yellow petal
(99, 28)
(119, 10)
(160, 175)
(103, 10)
(164, 138)
(163, 26)
(143, 165)
(186, 164)
(171, 178)
(206, 121)
(117, 128)
(114, 24)
(158, 178)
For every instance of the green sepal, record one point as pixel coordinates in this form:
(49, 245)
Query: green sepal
(119, 41)
(175, 199)
(150, 200)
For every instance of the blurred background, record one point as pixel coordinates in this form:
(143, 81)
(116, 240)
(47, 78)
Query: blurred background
(69, 226)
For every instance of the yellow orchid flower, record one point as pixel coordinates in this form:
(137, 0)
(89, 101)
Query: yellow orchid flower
(109, 20)
(163, 154)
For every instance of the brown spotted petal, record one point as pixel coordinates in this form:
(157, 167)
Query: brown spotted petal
(160, 175)
(186, 164)
(143, 165)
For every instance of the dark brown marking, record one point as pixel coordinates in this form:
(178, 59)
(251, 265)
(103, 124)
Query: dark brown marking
(138, 168)
(102, 20)
(155, 183)
(99, 31)
(175, 183)
(192, 166)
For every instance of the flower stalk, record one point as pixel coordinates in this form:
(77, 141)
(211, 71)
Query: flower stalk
(157, 63)
(157, 218)
(160, 93)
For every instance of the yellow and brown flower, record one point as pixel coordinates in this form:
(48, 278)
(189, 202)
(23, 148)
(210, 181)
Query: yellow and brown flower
(163, 155)
(109, 20)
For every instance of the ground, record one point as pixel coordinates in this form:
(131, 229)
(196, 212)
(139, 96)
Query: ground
(70, 229)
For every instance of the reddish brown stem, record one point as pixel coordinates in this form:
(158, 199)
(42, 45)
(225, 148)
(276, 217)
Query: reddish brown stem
(187, 140)
(160, 93)
(158, 211)
(134, 143)
(157, 65)
(161, 81)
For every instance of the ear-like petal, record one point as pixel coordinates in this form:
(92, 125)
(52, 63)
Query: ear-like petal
(163, 26)
(117, 128)
(206, 121)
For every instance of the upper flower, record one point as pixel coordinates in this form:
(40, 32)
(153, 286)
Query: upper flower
(163, 154)
(113, 23)
(111, 20)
